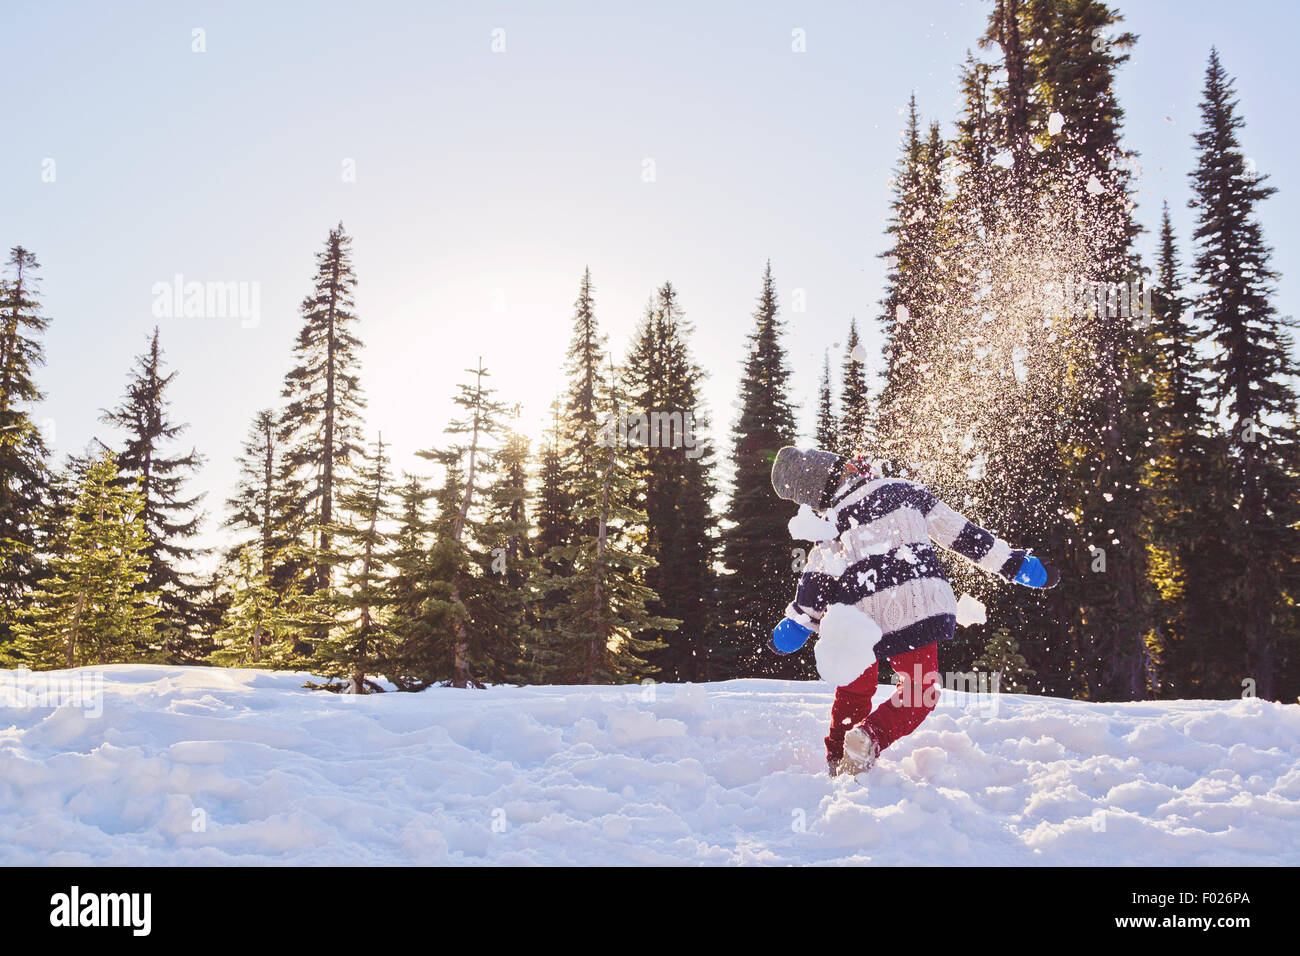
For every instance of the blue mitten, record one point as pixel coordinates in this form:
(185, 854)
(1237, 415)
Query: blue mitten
(789, 636)
(1033, 573)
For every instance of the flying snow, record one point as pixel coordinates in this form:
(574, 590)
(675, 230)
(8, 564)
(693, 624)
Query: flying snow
(970, 611)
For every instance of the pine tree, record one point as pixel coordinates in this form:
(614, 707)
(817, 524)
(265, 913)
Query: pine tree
(554, 522)
(410, 624)
(507, 614)
(255, 620)
(1002, 657)
(458, 589)
(585, 561)
(1037, 398)
(586, 352)
(171, 517)
(24, 476)
(978, 180)
(757, 551)
(321, 425)
(855, 435)
(1186, 473)
(910, 314)
(586, 384)
(1251, 374)
(672, 467)
(1074, 52)
(93, 607)
(601, 628)
(358, 607)
(263, 503)
(826, 432)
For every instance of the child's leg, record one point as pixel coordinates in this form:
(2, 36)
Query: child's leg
(914, 698)
(852, 705)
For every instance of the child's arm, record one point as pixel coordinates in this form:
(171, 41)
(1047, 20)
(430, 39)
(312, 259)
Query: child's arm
(955, 532)
(816, 587)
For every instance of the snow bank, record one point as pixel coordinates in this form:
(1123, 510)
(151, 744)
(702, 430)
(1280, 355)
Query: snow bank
(213, 766)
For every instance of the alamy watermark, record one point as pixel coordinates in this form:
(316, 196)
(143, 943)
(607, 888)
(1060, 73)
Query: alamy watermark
(979, 691)
(82, 688)
(653, 429)
(1081, 298)
(180, 298)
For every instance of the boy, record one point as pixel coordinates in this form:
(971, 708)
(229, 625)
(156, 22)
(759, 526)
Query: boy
(883, 563)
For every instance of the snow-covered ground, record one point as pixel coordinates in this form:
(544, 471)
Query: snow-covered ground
(170, 765)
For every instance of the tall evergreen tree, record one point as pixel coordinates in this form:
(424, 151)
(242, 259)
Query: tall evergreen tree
(1031, 396)
(910, 314)
(826, 431)
(602, 630)
(756, 545)
(321, 425)
(508, 615)
(170, 515)
(413, 659)
(583, 366)
(1074, 52)
(554, 522)
(1252, 374)
(855, 433)
(264, 502)
(672, 464)
(359, 639)
(1186, 476)
(585, 355)
(23, 473)
(93, 607)
(458, 592)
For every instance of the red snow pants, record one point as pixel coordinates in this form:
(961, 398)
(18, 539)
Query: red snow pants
(914, 698)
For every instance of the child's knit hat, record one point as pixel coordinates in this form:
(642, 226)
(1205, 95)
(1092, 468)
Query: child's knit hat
(807, 477)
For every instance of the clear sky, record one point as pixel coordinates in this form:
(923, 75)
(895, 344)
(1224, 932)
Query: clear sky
(486, 180)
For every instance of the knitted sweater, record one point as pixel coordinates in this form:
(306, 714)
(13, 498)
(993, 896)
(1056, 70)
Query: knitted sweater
(884, 562)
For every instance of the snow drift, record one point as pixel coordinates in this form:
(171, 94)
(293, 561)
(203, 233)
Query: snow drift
(176, 765)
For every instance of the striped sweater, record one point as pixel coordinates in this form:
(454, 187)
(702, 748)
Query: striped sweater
(884, 563)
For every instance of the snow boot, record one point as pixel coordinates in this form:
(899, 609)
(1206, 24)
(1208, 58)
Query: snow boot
(860, 751)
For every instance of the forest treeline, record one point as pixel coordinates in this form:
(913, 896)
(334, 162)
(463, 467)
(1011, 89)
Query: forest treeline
(1133, 421)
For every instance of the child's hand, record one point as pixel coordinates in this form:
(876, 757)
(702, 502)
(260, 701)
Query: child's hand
(789, 636)
(1034, 574)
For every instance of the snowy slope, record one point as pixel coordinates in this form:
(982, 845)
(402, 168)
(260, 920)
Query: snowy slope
(214, 766)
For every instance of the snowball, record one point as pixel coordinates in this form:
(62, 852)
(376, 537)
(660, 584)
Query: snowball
(1095, 187)
(845, 645)
(969, 611)
(1055, 123)
(859, 353)
(808, 526)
